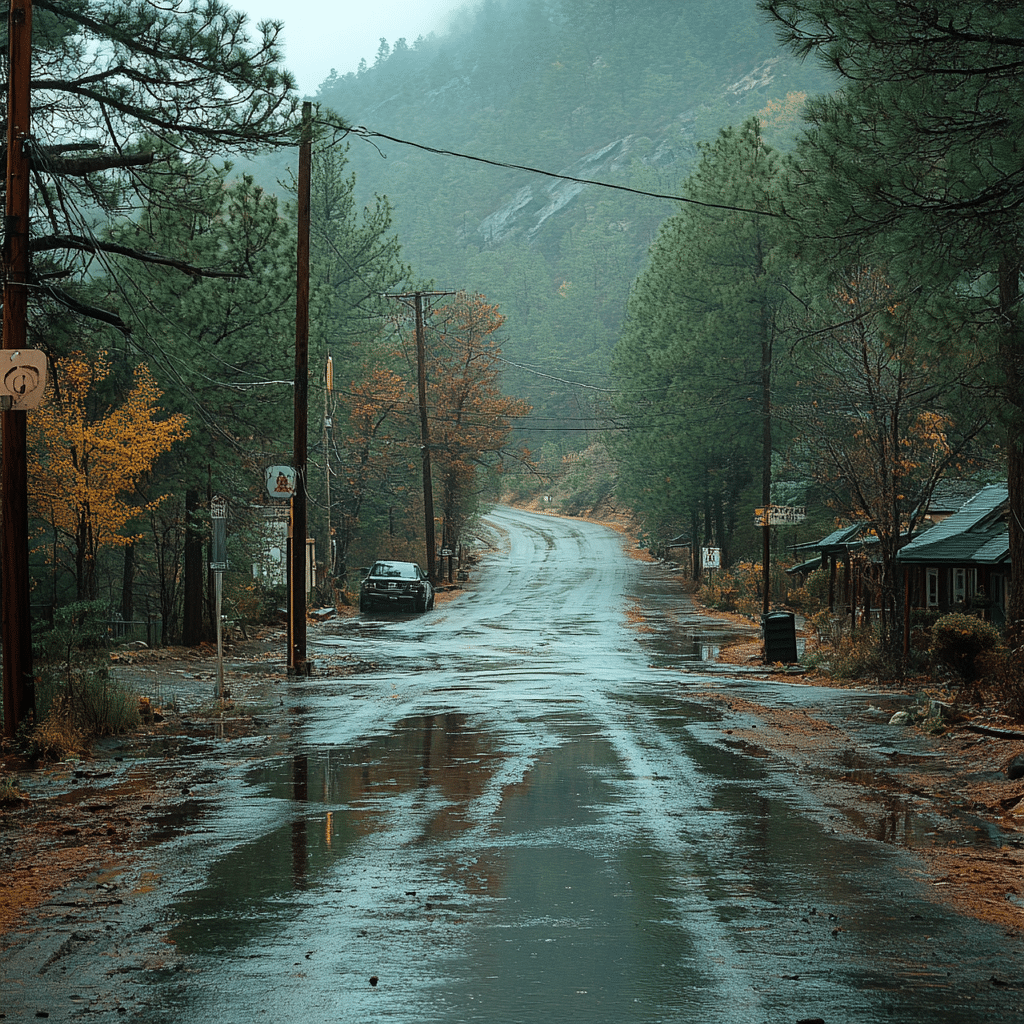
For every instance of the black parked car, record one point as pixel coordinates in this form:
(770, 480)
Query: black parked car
(396, 584)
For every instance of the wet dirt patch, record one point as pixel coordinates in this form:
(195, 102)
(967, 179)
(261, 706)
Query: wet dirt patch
(82, 816)
(950, 801)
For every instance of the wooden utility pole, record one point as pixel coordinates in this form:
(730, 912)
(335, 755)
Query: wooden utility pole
(19, 689)
(328, 434)
(421, 379)
(428, 483)
(297, 664)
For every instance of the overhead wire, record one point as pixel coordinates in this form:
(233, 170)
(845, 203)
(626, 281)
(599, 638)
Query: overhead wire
(364, 132)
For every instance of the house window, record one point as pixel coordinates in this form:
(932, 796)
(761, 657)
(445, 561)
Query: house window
(933, 588)
(959, 586)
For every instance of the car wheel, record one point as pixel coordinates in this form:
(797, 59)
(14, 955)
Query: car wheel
(420, 604)
(430, 606)
(364, 604)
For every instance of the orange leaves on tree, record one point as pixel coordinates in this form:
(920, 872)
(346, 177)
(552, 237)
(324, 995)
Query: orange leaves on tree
(89, 457)
(470, 416)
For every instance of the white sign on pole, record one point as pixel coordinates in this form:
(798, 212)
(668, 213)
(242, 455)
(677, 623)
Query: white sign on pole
(219, 522)
(711, 558)
(281, 481)
(22, 378)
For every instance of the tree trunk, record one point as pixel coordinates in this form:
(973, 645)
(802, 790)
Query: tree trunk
(695, 569)
(128, 584)
(192, 616)
(1015, 481)
(766, 465)
(80, 556)
(1012, 353)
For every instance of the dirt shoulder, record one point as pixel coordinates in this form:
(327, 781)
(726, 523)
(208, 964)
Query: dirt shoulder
(77, 817)
(967, 782)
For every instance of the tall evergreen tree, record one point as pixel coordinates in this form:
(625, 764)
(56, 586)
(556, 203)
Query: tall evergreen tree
(219, 346)
(122, 84)
(355, 260)
(914, 164)
(706, 317)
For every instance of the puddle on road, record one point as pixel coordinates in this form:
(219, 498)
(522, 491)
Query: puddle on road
(476, 885)
(249, 887)
(174, 821)
(674, 632)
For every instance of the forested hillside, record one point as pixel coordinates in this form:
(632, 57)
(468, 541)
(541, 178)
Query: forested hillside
(618, 92)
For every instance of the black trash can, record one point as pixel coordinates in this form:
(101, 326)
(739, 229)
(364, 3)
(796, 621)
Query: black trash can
(779, 632)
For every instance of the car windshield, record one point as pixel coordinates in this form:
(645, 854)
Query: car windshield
(403, 570)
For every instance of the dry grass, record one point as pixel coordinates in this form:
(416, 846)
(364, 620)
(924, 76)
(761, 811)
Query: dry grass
(57, 736)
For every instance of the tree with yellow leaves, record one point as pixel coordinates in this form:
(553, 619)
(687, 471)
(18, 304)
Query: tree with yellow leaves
(90, 456)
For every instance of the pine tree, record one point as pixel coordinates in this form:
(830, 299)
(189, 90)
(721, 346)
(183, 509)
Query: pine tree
(697, 358)
(123, 84)
(914, 164)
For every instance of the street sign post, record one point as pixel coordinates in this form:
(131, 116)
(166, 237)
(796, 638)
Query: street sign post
(219, 520)
(765, 517)
(280, 482)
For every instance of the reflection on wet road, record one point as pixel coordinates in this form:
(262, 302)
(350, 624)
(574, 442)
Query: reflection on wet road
(522, 816)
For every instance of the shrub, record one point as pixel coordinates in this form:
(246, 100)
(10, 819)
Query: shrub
(1003, 674)
(57, 736)
(75, 697)
(812, 597)
(734, 589)
(858, 654)
(10, 795)
(958, 640)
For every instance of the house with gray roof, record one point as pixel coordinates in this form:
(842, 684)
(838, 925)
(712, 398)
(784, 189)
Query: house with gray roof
(963, 562)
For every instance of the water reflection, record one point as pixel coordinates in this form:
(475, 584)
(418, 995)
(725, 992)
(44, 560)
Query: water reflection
(248, 888)
(300, 845)
(547, 892)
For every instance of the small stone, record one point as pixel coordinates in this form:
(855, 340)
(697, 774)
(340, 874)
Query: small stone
(902, 718)
(1015, 769)
(373, 980)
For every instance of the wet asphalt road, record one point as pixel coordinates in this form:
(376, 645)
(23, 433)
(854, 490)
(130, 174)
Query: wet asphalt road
(522, 816)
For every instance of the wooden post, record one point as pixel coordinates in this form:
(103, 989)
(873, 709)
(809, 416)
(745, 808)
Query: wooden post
(421, 381)
(19, 688)
(428, 485)
(297, 664)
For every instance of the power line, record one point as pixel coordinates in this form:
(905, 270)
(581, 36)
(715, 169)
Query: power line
(366, 133)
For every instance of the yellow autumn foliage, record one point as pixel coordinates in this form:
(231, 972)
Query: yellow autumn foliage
(87, 463)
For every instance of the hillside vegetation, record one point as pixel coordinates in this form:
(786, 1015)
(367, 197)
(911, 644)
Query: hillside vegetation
(592, 89)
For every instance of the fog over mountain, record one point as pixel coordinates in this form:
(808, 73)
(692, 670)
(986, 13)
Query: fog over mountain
(598, 90)
(337, 34)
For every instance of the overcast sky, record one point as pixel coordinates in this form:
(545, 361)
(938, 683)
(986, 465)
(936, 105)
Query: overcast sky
(324, 34)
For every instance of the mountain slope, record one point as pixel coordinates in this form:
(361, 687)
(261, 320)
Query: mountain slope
(606, 90)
